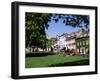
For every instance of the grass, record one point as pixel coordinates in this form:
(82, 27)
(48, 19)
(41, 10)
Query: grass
(55, 60)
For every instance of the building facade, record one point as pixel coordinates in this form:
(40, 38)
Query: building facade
(71, 43)
(77, 41)
(82, 45)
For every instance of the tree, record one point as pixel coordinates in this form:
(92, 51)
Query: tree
(73, 20)
(35, 24)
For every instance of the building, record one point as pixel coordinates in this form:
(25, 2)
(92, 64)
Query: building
(82, 45)
(82, 42)
(71, 43)
(61, 41)
(77, 41)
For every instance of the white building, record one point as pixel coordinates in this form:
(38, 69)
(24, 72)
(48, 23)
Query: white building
(61, 41)
(66, 40)
(71, 43)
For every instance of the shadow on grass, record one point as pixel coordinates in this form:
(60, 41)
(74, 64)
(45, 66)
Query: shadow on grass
(75, 63)
(39, 54)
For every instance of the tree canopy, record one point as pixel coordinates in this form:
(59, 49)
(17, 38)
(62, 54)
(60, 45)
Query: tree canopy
(73, 20)
(36, 23)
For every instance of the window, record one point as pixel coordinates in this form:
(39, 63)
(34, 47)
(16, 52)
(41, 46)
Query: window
(87, 42)
(77, 43)
(80, 42)
(78, 50)
(83, 42)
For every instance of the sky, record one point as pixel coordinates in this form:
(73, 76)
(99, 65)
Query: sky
(59, 28)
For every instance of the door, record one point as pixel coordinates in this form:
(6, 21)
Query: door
(82, 51)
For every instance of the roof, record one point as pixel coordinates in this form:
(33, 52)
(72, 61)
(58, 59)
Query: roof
(70, 38)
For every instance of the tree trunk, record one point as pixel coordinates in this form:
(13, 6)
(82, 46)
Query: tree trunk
(43, 49)
(37, 49)
(30, 50)
(33, 48)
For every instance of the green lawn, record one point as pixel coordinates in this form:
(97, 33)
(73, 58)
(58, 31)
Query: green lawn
(55, 60)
